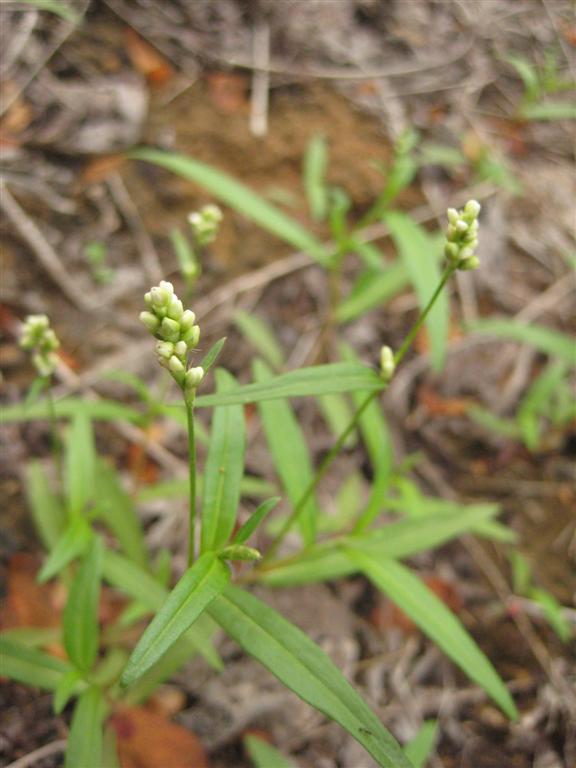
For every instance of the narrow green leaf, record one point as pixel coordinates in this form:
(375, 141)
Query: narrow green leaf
(47, 511)
(223, 470)
(179, 488)
(338, 414)
(73, 542)
(255, 520)
(144, 588)
(290, 453)
(201, 583)
(314, 171)
(85, 741)
(32, 637)
(420, 253)
(421, 746)
(212, 355)
(237, 196)
(31, 666)
(80, 464)
(435, 620)
(372, 290)
(110, 757)
(396, 540)
(304, 668)
(80, 620)
(264, 755)
(314, 380)
(259, 334)
(105, 410)
(549, 110)
(65, 690)
(117, 510)
(540, 337)
(553, 613)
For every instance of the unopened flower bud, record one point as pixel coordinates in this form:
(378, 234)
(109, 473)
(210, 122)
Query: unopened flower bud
(170, 329)
(187, 320)
(150, 321)
(165, 349)
(472, 209)
(468, 264)
(193, 378)
(240, 552)
(387, 364)
(192, 336)
(175, 309)
(180, 349)
(175, 365)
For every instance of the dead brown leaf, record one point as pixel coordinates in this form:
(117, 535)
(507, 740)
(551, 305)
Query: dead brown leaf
(147, 739)
(147, 60)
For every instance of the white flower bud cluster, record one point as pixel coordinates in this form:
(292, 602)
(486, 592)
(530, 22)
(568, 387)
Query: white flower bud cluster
(36, 335)
(177, 334)
(462, 236)
(387, 364)
(205, 223)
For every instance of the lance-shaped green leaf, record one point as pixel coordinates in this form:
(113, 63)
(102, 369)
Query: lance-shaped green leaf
(254, 520)
(103, 410)
(435, 620)
(117, 510)
(260, 335)
(81, 611)
(314, 172)
(372, 289)
(264, 755)
(86, 731)
(201, 583)
(31, 666)
(224, 469)
(420, 253)
(540, 337)
(237, 196)
(290, 453)
(73, 542)
(143, 587)
(396, 540)
(304, 668)
(80, 463)
(314, 380)
(47, 511)
(67, 686)
(420, 747)
(212, 355)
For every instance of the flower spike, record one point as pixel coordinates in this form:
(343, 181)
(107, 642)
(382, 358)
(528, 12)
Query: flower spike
(40, 339)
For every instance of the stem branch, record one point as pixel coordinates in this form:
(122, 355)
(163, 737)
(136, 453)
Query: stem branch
(192, 474)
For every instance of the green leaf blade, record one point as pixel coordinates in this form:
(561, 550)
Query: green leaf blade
(224, 469)
(436, 621)
(290, 454)
(237, 195)
(80, 620)
(199, 586)
(31, 666)
(313, 380)
(85, 741)
(80, 463)
(304, 668)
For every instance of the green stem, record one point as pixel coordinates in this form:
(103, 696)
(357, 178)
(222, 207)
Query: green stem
(338, 445)
(192, 473)
(399, 356)
(56, 448)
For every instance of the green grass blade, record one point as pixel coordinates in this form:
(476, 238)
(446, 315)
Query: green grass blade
(117, 510)
(540, 337)
(67, 687)
(73, 542)
(290, 454)
(314, 172)
(303, 667)
(80, 464)
(49, 517)
(435, 620)
(212, 355)
(421, 746)
(201, 583)
(372, 290)
(85, 740)
(420, 254)
(223, 470)
(259, 334)
(264, 755)
(549, 110)
(80, 619)
(255, 520)
(68, 408)
(314, 380)
(238, 196)
(31, 666)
